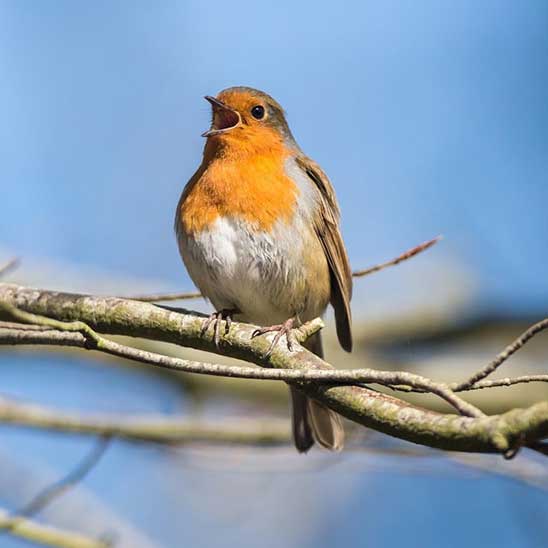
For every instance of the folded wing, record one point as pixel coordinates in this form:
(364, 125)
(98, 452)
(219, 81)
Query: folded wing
(326, 224)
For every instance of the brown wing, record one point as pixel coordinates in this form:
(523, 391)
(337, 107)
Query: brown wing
(327, 227)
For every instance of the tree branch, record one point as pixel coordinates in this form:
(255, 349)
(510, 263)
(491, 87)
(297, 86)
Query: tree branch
(511, 349)
(498, 433)
(177, 430)
(93, 340)
(46, 534)
(399, 259)
(51, 492)
(507, 381)
(145, 428)
(164, 297)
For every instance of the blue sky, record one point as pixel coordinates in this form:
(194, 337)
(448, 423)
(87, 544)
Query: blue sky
(429, 117)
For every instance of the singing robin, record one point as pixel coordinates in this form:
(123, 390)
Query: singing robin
(258, 230)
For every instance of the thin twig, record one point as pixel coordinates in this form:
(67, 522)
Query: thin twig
(48, 535)
(335, 376)
(51, 492)
(164, 297)
(400, 258)
(22, 326)
(324, 376)
(511, 349)
(507, 381)
(10, 265)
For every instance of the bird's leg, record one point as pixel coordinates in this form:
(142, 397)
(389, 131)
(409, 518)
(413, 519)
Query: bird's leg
(285, 328)
(216, 318)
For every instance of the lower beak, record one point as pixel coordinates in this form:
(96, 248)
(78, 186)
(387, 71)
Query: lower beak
(224, 117)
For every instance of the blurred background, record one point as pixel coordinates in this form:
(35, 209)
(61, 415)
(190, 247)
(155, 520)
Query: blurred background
(430, 118)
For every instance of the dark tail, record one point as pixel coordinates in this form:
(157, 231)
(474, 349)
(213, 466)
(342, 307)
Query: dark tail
(312, 421)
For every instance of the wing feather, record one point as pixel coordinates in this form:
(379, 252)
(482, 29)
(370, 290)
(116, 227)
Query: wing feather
(326, 224)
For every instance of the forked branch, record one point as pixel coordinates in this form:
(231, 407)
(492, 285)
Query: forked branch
(82, 317)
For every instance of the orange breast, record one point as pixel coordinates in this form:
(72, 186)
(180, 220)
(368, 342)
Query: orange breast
(253, 187)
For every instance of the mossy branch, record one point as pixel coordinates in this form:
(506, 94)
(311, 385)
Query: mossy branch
(81, 317)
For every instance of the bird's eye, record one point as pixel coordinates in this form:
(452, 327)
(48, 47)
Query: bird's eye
(257, 112)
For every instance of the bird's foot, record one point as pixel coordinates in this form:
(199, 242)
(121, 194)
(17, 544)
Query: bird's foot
(216, 318)
(281, 329)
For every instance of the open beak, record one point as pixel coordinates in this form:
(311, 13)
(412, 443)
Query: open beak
(224, 117)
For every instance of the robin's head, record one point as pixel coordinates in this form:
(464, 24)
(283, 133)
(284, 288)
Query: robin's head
(246, 115)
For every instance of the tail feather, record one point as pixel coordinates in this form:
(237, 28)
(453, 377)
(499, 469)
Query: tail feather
(327, 428)
(302, 434)
(312, 421)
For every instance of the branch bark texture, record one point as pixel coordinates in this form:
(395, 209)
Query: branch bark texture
(113, 316)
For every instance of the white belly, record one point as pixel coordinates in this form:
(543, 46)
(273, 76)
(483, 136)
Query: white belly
(262, 274)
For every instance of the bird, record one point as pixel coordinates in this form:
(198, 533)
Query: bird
(258, 230)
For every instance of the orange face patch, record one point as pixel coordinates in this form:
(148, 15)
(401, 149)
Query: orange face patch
(241, 180)
(242, 173)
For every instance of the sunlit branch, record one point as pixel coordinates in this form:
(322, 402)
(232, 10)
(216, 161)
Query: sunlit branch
(46, 534)
(153, 428)
(399, 259)
(164, 297)
(330, 376)
(511, 349)
(86, 316)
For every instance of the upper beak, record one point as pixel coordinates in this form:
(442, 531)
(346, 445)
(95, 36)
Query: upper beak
(224, 117)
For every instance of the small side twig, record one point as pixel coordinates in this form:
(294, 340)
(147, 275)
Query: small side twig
(336, 376)
(12, 264)
(165, 297)
(47, 535)
(507, 381)
(511, 349)
(51, 492)
(400, 258)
